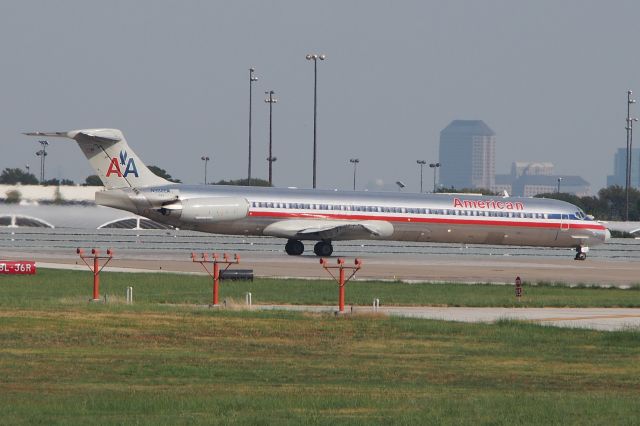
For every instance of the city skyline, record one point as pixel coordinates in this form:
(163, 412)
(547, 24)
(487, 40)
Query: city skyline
(549, 77)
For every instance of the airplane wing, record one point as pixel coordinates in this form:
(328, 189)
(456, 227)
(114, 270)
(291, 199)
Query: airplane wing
(329, 229)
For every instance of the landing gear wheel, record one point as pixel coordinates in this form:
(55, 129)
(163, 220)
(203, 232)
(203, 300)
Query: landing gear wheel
(294, 248)
(323, 249)
(581, 253)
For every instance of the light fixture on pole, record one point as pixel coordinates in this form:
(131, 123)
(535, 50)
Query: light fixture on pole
(355, 162)
(422, 163)
(206, 160)
(559, 180)
(252, 78)
(42, 154)
(434, 166)
(628, 127)
(271, 100)
(314, 57)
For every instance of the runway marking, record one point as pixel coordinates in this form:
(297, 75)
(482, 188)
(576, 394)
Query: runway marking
(587, 318)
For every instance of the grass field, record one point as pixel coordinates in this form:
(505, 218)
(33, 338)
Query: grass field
(51, 287)
(63, 360)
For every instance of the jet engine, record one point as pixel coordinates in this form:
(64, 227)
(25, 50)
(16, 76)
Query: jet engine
(210, 209)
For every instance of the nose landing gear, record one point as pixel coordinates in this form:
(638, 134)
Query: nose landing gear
(581, 253)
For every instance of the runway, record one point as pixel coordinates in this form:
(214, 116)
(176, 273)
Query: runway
(617, 264)
(613, 264)
(410, 269)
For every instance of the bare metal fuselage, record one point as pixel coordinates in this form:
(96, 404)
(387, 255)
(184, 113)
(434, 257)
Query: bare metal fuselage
(447, 218)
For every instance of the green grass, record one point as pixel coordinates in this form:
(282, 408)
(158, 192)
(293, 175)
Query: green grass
(66, 361)
(96, 364)
(51, 287)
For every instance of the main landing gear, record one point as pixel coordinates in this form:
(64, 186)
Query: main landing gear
(296, 248)
(581, 253)
(323, 248)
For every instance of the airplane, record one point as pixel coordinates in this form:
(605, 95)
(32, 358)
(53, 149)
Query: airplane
(325, 216)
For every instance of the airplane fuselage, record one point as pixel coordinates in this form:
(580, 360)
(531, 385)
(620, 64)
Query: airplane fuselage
(450, 218)
(325, 216)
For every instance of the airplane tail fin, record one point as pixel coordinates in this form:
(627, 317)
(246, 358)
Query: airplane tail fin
(110, 156)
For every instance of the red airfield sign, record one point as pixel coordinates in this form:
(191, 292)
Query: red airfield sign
(17, 267)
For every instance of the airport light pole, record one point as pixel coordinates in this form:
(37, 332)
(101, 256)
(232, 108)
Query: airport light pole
(314, 57)
(629, 142)
(252, 78)
(355, 162)
(42, 154)
(631, 121)
(434, 166)
(559, 180)
(271, 100)
(206, 160)
(421, 163)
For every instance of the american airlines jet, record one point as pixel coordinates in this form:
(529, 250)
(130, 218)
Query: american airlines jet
(324, 216)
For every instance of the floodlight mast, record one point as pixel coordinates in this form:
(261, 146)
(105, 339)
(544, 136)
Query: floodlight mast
(252, 78)
(434, 166)
(629, 128)
(42, 153)
(355, 162)
(421, 163)
(206, 159)
(271, 100)
(314, 57)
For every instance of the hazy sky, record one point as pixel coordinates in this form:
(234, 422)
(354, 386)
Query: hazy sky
(548, 76)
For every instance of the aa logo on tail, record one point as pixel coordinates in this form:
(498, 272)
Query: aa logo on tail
(129, 166)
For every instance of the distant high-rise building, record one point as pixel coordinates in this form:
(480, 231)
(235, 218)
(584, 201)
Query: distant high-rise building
(467, 155)
(519, 168)
(620, 168)
(528, 179)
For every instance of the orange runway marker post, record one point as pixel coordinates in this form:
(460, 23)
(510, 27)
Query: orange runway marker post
(96, 269)
(341, 277)
(215, 270)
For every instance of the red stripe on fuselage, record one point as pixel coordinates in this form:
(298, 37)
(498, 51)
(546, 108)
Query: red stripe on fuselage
(527, 223)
